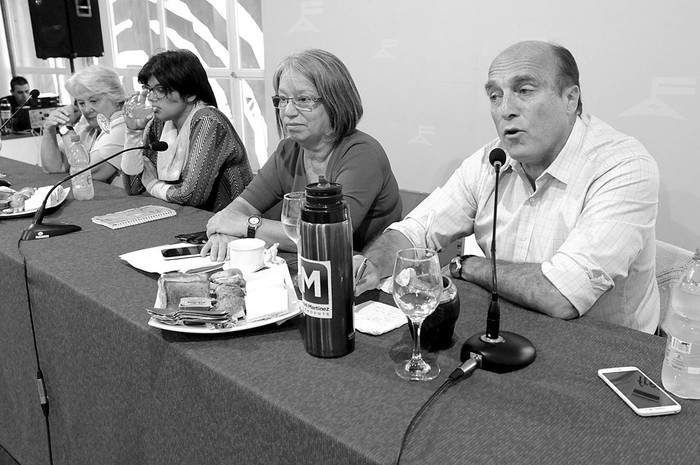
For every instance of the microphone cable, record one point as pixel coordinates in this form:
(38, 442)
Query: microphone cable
(465, 370)
(43, 396)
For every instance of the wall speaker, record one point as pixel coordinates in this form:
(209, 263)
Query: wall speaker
(66, 28)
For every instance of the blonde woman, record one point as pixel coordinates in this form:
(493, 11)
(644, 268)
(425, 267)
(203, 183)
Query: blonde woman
(96, 91)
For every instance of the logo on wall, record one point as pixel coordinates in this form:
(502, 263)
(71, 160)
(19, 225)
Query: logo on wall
(308, 8)
(386, 45)
(422, 132)
(316, 288)
(660, 86)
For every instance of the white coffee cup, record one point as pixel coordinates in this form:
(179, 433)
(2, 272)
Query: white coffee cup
(245, 254)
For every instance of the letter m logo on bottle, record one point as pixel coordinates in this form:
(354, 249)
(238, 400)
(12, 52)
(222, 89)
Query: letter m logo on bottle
(316, 289)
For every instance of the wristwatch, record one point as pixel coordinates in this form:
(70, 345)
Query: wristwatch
(254, 223)
(64, 129)
(455, 266)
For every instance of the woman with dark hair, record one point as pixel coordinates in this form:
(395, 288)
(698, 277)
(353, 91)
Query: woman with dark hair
(318, 108)
(205, 165)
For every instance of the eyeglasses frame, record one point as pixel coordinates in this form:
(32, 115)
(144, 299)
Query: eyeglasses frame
(314, 100)
(153, 91)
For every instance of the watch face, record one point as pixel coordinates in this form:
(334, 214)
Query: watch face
(254, 220)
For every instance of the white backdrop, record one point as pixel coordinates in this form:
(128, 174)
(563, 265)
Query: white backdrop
(420, 67)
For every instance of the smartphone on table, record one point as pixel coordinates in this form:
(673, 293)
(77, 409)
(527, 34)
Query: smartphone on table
(639, 392)
(181, 251)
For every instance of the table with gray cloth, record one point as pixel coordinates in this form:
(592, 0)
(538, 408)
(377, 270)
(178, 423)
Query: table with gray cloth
(122, 392)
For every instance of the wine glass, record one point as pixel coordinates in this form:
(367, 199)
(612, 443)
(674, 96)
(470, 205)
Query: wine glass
(291, 217)
(417, 286)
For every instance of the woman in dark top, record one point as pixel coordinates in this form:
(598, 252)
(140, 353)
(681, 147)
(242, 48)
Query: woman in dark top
(205, 165)
(318, 108)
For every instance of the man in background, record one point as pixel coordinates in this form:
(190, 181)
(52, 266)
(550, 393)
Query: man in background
(577, 202)
(19, 94)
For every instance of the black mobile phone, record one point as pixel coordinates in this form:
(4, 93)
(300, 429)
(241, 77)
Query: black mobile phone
(199, 237)
(181, 251)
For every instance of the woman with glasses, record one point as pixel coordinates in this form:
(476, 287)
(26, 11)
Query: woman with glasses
(318, 108)
(99, 96)
(205, 165)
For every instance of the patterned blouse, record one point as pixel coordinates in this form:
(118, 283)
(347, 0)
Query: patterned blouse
(217, 168)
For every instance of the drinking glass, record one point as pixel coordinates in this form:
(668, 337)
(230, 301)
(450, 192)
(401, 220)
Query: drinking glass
(138, 109)
(291, 217)
(417, 284)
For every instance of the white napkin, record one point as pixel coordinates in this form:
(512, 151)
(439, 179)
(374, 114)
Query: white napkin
(267, 293)
(377, 318)
(35, 201)
(387, 285)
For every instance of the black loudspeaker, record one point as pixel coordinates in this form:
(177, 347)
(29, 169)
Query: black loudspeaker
(66, 28)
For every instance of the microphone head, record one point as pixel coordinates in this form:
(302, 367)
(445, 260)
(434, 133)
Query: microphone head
(497, 155)
(159, 146)
(34, 93)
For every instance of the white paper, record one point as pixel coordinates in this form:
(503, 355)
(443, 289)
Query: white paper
(151, 260)
(377, 318)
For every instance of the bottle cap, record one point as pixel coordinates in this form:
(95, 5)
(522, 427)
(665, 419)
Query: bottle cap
(324, 193)
(324, 203)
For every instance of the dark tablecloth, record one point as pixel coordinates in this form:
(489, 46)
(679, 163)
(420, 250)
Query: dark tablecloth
(122, 392)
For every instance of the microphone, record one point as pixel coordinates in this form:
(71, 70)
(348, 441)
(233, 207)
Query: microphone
(32, 95)
(39, 230)
(500, 352)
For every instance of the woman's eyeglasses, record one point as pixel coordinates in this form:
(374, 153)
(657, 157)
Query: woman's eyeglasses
(302, 103)
(158, 91)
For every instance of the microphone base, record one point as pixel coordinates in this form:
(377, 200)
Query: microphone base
(47, 230)
(510, 352)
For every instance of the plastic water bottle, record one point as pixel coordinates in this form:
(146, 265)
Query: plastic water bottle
(325, 271)
(79, 159)
(681, 369)
(5, 115)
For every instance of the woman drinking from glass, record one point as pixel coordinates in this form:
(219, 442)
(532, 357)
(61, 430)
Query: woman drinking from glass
(318, 108)
(205, 165)
(97, 91)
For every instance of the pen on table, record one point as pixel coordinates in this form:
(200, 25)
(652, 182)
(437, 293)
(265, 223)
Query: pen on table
(361, 270)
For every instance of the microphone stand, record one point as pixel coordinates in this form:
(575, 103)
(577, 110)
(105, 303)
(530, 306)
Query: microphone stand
(498, 352)
(39, 230)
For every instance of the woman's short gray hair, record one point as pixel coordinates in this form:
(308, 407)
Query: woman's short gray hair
(334, 84)
(95, 80)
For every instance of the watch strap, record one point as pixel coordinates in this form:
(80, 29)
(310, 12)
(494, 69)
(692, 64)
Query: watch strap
(456, 265)
(64, 129)
(254, 222)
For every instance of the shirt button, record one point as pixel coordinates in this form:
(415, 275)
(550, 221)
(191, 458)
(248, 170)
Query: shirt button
(524, 238)
(532, 201)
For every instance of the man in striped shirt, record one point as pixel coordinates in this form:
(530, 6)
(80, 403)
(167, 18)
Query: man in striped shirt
(577, 201)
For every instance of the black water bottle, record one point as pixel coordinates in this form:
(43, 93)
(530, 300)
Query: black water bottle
(325, 269)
